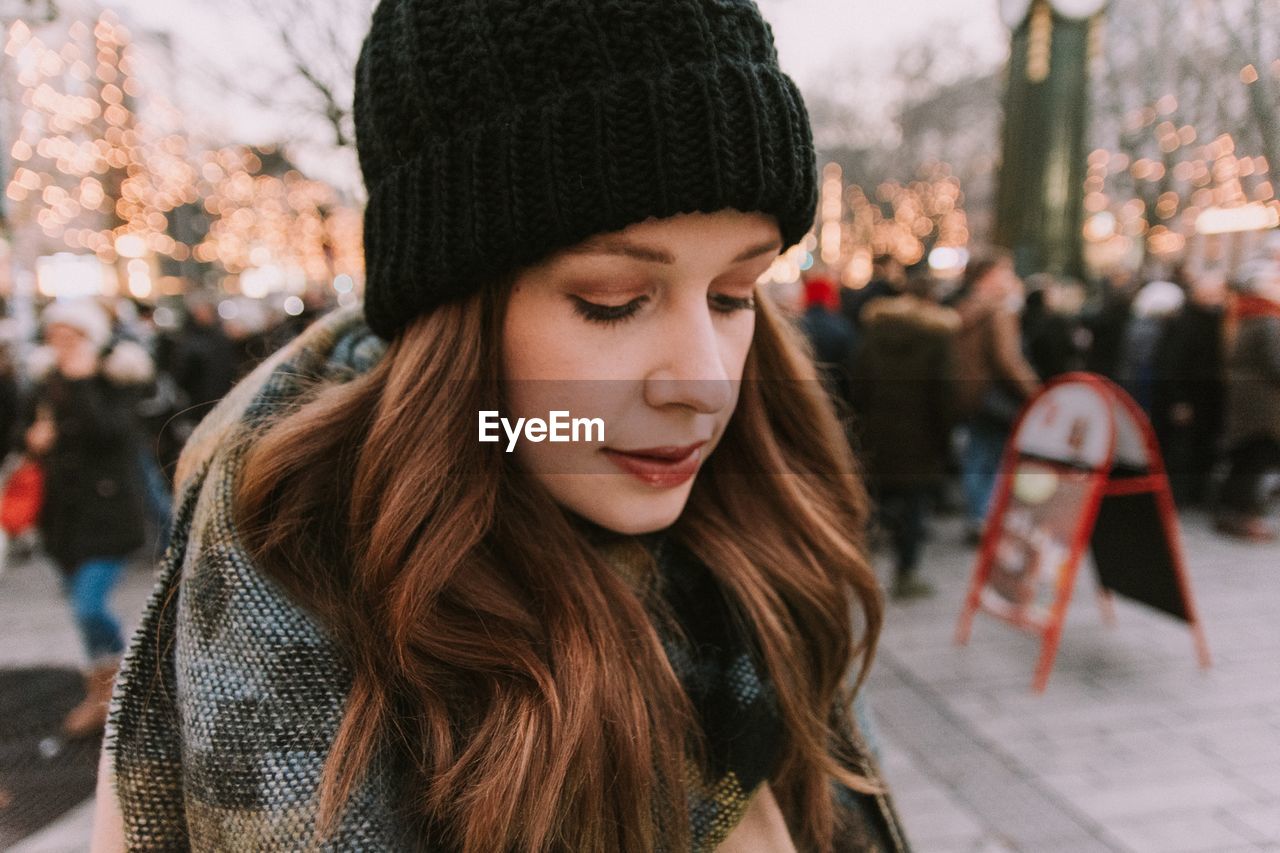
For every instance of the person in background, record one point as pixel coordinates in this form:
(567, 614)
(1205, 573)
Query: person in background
(1253, 403)
(1190, 391)
(10, 399)
(993, 378)
(830, 335)
(1106, 322)
(81, 427)
(902, 386)
(315, 302)
(159, 410)
(1049, 333)
(151, 402)
(205, 360)
(251, 328)
(10, 414)
(888, 277)
(1153, 308)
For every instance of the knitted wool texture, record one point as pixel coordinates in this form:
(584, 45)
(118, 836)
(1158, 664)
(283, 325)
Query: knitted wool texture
(495, 132)
(231, 693)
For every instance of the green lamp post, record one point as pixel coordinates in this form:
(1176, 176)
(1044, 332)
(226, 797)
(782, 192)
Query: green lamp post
(1040, 196)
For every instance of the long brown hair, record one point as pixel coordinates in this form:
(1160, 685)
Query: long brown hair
(485, 634)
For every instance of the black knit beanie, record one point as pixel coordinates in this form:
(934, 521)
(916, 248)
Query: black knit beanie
(492, 133)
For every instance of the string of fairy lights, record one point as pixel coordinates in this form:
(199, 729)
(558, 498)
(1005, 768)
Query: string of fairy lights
(1177, 182)
(261, 219)
(1163, 195)
(904, 220)
(96, 177)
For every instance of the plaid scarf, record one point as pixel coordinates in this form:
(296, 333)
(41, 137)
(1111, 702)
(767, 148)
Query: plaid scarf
(231, 693)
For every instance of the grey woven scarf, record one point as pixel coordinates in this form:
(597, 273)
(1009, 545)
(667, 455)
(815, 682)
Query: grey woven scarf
(231, 693)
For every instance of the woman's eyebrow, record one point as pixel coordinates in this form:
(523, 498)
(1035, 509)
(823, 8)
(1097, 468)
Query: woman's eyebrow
(651, 254)
(765, 248)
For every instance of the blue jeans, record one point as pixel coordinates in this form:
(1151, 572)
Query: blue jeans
(87, 589)
(979, 465)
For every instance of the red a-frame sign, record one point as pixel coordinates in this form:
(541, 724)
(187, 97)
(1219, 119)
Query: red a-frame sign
(1081, 469)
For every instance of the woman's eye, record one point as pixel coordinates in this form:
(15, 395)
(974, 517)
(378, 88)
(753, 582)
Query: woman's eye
(731, 304)
(607, 314)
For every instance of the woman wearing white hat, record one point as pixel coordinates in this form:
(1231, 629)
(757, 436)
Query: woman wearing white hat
(92, 518)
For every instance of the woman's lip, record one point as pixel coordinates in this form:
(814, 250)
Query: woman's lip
(662, 467)
(666, 453)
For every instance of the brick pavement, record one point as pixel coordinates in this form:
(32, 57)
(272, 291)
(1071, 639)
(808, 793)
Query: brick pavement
(1132, 748)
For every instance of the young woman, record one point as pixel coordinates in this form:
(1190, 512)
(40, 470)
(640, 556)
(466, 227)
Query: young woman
(397, 614)
(80, 427)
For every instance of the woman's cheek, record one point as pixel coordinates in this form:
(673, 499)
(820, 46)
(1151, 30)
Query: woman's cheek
(738, 345)
(544, 340)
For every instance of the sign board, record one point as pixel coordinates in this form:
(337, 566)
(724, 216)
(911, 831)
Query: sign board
(1081, 470)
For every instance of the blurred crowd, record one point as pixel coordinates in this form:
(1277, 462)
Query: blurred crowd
(101, 402)
(935, 373)
(96, 410)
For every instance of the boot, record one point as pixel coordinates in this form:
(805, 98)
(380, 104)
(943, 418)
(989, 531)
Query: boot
(90, 716)
(909, 587)
(1249, 527)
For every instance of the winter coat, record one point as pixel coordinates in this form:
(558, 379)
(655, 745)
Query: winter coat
(988, 355)
(1190, 370)
(1136, 367)
(206, 365)
(902, 390)
(832, 340)
(854, 302)
(1049, 340)
(1106, 327)
(94, 494)
(1253, 371)
(10, 408)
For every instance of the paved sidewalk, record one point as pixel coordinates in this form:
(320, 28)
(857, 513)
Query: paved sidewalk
(36, 631)
(1132, 748)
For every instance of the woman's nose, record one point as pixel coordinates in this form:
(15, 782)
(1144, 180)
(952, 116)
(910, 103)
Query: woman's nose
(690, 369)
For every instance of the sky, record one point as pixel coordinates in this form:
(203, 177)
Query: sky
(817, 37)
(813, 36)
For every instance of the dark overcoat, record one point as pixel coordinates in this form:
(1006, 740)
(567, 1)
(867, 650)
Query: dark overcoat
(94, 494)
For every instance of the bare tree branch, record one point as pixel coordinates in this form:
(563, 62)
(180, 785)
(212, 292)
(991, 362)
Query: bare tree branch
(318, 44)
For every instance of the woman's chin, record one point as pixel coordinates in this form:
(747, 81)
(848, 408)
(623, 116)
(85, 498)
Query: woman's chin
(627, 507)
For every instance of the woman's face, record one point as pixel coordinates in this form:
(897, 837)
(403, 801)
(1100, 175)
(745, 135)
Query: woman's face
(647, 330)
(74, 351)
(64, 339)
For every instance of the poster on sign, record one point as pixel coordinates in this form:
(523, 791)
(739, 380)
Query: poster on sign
(1081, 471)
(1034, 547)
